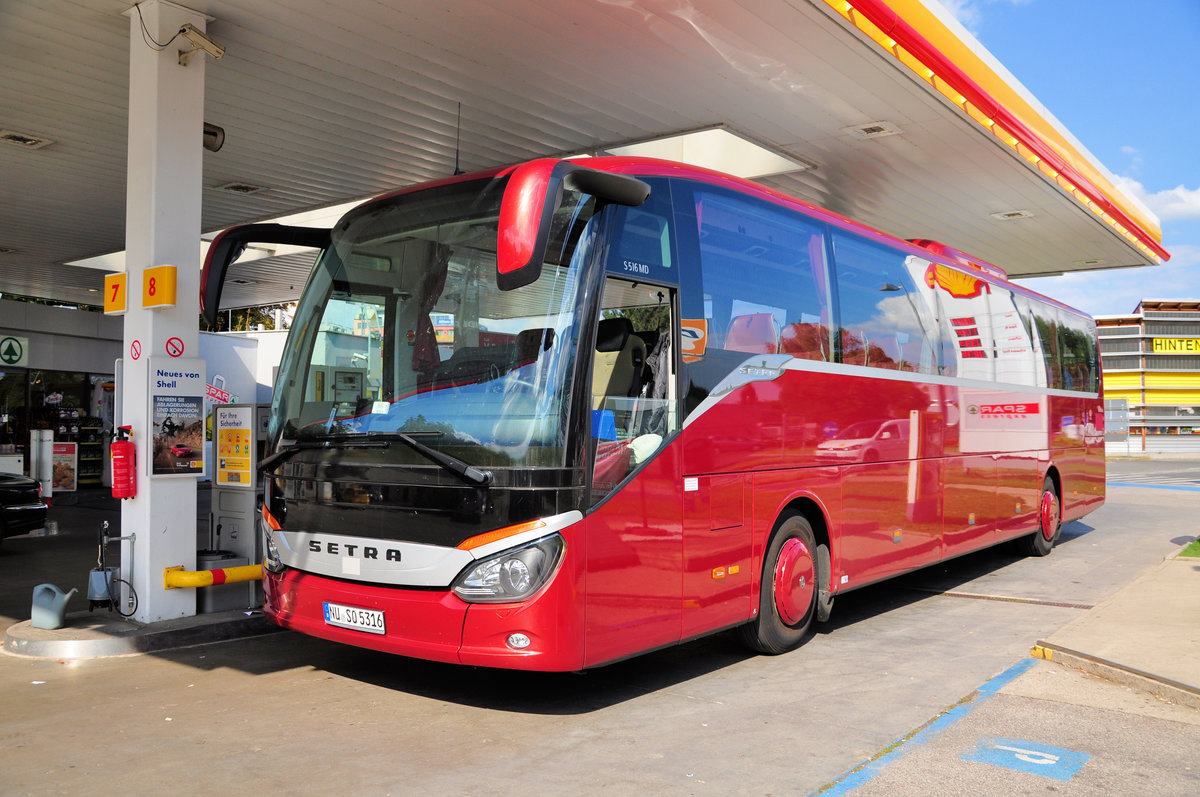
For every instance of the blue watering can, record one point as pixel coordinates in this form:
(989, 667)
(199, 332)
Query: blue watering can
(49, 606)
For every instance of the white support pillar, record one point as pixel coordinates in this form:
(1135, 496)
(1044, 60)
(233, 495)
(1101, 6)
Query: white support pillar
(166, 122)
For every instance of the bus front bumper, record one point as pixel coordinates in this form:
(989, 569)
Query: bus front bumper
(436, 624)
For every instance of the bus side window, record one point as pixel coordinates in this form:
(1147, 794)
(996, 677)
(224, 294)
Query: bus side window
(1077, 345)
(754, 333)
(883, 321)
(1017, 359)
(765, 283)
(1045, 321)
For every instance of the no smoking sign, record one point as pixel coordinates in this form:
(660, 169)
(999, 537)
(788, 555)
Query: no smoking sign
(174, 347)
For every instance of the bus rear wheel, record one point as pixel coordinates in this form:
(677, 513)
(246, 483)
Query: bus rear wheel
(789, 591)
(1041, 541)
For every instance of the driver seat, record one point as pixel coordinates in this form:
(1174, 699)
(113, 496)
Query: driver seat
(620, 359)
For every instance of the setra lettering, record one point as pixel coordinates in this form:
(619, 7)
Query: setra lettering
(354, 551)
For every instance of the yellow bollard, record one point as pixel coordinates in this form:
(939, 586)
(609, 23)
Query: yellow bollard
(178, 578)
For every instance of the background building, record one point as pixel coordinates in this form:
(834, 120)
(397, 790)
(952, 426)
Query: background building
(1151, 358)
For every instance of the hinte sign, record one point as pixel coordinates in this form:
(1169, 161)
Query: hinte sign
(1177, 345)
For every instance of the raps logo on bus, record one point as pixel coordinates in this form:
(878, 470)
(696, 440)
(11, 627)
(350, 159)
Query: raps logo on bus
(955, 283)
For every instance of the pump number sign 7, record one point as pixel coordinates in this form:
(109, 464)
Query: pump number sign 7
(116, 296)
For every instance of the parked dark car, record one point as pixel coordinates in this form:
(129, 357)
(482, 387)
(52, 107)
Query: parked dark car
(21, 506)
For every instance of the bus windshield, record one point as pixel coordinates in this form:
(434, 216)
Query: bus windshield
(402, 329)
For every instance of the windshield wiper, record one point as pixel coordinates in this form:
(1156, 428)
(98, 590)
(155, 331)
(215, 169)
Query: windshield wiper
(453, 464)
(309, 445)
(383, 440)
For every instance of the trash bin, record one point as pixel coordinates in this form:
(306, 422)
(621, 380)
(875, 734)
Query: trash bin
(225, 597)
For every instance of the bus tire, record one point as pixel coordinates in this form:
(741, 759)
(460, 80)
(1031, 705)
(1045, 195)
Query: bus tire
(788, 592)
(1041, 542)
(824, 594)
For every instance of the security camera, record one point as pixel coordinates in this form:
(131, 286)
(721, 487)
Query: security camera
(199, 41)
(214, 137)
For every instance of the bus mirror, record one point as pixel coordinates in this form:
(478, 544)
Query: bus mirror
(229, 246)
(527, 209)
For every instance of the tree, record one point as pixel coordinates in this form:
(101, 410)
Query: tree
(244, 320)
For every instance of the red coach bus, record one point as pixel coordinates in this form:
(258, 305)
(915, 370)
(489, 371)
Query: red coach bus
(556, 415)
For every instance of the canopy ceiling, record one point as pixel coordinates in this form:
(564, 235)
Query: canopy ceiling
(325, 102)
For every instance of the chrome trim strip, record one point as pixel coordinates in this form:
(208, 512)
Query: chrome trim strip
(767, 367)
(402, 564)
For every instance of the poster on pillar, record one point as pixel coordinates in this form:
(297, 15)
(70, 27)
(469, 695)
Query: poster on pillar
(177, 415)
(234, 436)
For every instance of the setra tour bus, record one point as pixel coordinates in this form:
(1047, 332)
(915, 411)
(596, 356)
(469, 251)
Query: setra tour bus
(555, 415)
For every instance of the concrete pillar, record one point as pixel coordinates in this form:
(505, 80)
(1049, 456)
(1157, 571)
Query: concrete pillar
(166, 122)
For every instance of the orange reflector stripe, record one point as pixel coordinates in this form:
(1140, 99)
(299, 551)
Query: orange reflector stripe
(270, 519)
(480, 540)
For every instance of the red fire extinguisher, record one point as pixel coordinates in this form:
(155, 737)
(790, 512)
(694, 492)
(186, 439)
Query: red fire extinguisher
(124, 471)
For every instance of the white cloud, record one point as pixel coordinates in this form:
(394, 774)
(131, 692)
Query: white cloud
(1135, 157)
(1174, 204)
(966, 12)
(969, 13)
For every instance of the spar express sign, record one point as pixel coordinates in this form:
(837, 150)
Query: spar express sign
(1011, 410)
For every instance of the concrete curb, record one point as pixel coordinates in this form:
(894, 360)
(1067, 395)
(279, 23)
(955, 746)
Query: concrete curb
(1162, 688)
(87, 637)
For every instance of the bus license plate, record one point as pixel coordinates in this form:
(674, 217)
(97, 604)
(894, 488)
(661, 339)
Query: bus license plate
(368, 620)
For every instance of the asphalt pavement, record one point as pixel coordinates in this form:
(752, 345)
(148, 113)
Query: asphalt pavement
(1106, 700)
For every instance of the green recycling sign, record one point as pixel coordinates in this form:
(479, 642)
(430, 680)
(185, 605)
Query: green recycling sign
(14, 352)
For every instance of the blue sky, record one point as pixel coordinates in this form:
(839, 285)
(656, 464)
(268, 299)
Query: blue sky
(1121, 76)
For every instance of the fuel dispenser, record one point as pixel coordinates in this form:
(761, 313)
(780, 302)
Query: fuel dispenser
(239, 436)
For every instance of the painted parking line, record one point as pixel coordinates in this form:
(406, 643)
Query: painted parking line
(1024, 756)
(870, 769)
(1155, 486)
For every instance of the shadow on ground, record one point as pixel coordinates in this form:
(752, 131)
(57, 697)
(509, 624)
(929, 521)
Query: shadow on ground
(65, 560)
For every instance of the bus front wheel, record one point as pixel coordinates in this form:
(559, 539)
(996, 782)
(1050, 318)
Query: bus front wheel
(789, 591)
(1049, 522)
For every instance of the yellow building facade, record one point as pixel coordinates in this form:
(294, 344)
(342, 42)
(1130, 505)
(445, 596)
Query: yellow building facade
(1151, 358)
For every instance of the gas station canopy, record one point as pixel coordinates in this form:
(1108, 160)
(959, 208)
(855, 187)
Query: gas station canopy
(885, 111)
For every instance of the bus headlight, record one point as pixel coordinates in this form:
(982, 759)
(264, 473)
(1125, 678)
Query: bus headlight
(512, 575)
(271, 561)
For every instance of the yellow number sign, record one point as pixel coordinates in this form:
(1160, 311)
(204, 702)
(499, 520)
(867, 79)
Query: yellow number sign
(116, 297)
(158, 287)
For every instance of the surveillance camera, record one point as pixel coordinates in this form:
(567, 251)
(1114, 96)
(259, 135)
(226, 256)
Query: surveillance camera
(200, 41)
(214, 137)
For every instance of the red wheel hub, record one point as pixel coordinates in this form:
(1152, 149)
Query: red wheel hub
(795, 581)
(1049, 514)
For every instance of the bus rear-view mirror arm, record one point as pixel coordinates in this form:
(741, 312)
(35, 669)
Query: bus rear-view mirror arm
(532, 195)
(229, 246)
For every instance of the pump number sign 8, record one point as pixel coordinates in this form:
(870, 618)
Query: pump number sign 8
(369, 620)
(158, 287)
